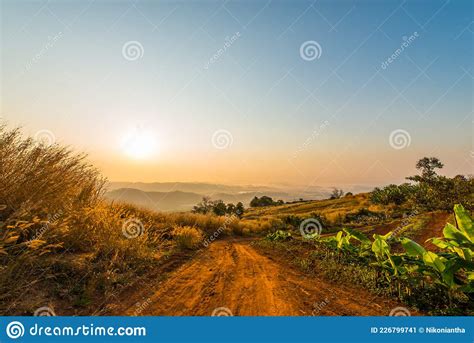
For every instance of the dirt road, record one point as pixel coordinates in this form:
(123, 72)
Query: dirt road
(233, 275)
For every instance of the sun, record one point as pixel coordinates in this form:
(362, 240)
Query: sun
(139, 144)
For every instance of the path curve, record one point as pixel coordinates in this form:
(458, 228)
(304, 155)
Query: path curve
(233, 275)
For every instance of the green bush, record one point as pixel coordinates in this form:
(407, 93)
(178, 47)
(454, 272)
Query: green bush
(279, 235)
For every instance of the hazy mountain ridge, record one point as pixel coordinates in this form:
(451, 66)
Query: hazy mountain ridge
(182, 196)
(192, 187)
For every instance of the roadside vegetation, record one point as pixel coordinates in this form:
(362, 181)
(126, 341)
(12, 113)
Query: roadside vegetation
(436, 282)
(60, 239)
(63, 245)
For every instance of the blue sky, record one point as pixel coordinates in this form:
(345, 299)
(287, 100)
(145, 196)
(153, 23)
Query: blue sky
(269, 100)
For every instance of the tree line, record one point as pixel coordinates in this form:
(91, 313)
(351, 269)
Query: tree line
(428, 190)
(218, 207)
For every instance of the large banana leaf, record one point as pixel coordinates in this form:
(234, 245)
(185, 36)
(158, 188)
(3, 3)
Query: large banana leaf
(434, 261)
(440, 243)
(465, 222)
(412, 248)
(357, 235)
(452, 232)
(380, 247)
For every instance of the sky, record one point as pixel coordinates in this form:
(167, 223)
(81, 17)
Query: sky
(244, 92)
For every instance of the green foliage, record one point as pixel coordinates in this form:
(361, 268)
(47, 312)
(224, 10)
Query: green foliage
(430, 191)
(427, 166)
(364, 215)
(239, 209)
(218, 207)
(279, 235)
(392, 194)
(451, 268)
(264, 201)
(292, 220)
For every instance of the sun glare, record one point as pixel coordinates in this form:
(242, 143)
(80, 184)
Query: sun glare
(139, 144)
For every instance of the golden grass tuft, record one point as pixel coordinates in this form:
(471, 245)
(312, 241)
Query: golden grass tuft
(60, 240)
(187, 237)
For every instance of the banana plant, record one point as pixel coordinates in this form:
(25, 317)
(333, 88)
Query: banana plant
(452, 267)
(458, 239)
(343, 241)
(392, 266)
(455, 257)
(385, 259)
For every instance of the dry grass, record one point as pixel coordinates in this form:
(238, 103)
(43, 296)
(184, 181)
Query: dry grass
(304, 209)
(187, 237)
(61, 242)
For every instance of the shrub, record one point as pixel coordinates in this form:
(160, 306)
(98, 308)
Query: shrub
(218, 207)
(391, 194)
(430, 191)
(336, 194)
(43, 179)
(264, 201)
(279, 235)
(187, 237)
(364, 215)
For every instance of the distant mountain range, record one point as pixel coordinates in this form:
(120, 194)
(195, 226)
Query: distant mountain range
(182, 196)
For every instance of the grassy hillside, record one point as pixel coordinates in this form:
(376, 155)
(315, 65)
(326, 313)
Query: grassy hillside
(355, 211)
(61, 239)
(69, 248)
(327, 207)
